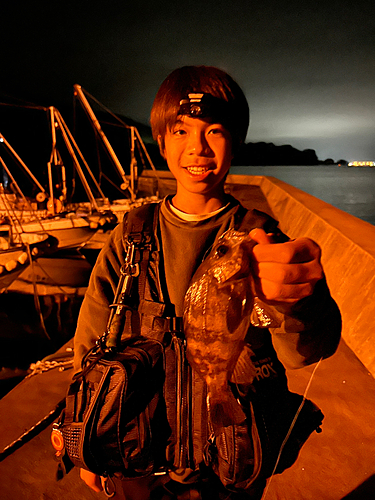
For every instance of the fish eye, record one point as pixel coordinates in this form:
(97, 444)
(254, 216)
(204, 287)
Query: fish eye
(221, 250)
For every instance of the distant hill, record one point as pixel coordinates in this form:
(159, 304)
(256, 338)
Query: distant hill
(262, 153)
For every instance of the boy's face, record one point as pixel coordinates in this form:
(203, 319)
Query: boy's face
(199, 154)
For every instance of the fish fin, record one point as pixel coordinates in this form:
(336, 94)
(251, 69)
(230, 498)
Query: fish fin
(226, 411)
(244, 370)
(261, 317)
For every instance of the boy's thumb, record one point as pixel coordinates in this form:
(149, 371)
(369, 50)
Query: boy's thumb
(260, 236)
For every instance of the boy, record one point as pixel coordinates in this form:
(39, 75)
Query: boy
(200, 118)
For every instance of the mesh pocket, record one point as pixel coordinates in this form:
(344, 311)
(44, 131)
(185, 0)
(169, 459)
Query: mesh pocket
(72, 439)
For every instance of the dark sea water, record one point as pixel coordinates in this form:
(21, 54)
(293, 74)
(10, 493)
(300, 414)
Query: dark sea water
(350, 189)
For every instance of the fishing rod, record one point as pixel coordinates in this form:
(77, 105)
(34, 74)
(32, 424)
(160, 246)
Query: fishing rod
(33, 431)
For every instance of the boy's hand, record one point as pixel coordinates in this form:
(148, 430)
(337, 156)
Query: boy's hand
(285, 272)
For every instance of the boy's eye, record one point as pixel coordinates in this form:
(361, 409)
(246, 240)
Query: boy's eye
(179, 131)
(215, 131)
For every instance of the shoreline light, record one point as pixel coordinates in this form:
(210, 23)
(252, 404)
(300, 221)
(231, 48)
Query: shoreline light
(361, 164)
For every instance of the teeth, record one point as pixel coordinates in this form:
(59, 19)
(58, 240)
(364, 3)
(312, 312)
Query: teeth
(197, 170)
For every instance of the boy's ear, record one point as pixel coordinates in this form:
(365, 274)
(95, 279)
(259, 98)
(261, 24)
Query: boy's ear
(161, 145)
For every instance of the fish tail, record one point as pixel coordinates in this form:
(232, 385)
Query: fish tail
(225, 411)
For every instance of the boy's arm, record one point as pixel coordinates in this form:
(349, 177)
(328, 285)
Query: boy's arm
(290, 282)
(94, 312)
(309, 331)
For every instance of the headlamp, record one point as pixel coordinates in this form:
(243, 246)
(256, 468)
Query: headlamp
(200, 105)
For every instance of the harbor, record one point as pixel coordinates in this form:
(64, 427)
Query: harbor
(352, 190)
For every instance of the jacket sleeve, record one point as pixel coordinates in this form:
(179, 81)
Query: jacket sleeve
(311, 330)
(94, 312)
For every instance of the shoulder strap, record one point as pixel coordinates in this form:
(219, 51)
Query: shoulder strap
(139, 230)
(140, 223)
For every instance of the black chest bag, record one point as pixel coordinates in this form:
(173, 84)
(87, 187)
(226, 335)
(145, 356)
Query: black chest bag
(129, 411)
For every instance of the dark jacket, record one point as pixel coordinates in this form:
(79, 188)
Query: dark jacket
(311, 331)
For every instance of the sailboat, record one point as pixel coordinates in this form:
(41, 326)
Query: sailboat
(80, 227)
(46, 218)
(48, 212)
(15, 257)
(58, 282)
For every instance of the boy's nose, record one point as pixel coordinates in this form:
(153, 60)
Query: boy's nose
(198, 145)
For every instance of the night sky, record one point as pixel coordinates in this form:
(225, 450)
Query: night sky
(307, 68)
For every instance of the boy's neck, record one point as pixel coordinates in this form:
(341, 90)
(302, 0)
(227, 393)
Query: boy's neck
(198, 204)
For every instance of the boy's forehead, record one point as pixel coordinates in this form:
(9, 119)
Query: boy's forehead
(192, 120)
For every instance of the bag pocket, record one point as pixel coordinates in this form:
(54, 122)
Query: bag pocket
(267, 443)
(235, 454)
(115, 419)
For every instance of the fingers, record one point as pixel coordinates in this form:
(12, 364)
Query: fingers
(274, 292)
(92, 480)
(285, 272)
(290, 273)
(296, 251)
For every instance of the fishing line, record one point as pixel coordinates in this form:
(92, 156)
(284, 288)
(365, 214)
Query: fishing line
(291, 428)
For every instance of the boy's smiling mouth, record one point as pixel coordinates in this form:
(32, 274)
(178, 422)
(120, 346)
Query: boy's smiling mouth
(197, 169)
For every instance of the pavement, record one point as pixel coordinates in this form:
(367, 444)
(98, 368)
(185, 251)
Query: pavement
(337, 464)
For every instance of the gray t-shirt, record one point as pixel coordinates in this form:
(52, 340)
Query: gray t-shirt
(184, 245)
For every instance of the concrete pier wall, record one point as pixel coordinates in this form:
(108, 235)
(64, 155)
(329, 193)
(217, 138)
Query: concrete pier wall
(348, 255)
(348, 246)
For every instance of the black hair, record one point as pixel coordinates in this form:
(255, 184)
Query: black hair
(200, 79)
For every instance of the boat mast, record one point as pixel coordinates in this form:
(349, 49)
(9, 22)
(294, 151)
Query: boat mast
(71, 144)
(57, 123)
(125, 185)
(51, 202)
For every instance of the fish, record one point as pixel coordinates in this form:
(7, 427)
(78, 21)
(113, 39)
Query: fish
(217, 314)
